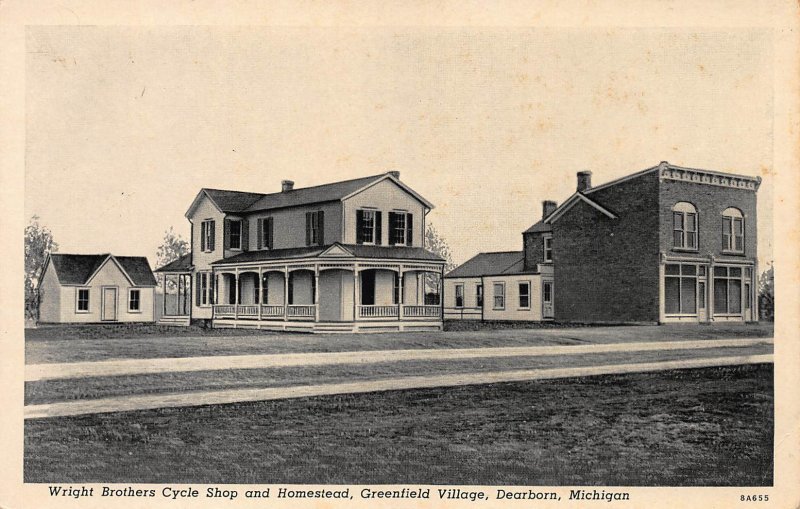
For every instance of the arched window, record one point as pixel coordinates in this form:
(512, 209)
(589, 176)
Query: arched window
(684, 226)
(732, 230)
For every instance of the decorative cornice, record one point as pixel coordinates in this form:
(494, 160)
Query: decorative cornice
(667, 171)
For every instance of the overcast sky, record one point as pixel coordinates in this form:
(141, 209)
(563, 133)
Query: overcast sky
(125, 125)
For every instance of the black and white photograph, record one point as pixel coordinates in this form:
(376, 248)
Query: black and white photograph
(367, 254)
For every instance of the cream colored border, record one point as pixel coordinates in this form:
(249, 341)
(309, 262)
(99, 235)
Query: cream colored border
(781, 16)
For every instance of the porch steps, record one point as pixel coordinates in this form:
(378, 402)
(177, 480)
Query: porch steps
(175, 321)
(333, 327)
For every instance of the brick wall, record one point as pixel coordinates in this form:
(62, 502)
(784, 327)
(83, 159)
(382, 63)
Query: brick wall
(533, 249)
(606, 270)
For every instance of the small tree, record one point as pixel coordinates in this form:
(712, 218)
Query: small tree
(38, 244)
(173, 247)
(766, 294)
(436, 244)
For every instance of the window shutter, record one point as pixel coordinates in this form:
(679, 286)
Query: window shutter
(359, 226)
(212, 294)
(226, 234)
(245, 231)
(378, 226)
(213, 226)
(409, 229)
(198, 293)
(259, 233)
(270, 231)
(203, 228)
(392, 225)
(321, 227)
(308, 228)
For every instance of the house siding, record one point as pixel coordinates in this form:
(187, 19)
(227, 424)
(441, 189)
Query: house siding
(385, 196)
(606, 270)
(512, 311)
(289, 226)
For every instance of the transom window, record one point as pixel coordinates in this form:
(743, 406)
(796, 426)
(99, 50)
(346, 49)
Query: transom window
(525, 295)
(548, 248)
(499, 296)
(134, 300)
(733, 230)
(684, 226)
(83, 300)
(459, 296)
(235, 234)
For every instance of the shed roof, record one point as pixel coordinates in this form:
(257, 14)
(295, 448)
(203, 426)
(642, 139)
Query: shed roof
(490, 264)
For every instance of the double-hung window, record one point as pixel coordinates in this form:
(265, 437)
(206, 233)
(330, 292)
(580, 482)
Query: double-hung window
(82, 305)
(207, 235)
(204, 295)
(134, 300)
(525, 295)
(547, 241)
(315, 226)
(684, 226)
(499, 295)
(459, 296)
(368, 226)
(235, 234)
(479, 295)
(733, 230)
(400, 228)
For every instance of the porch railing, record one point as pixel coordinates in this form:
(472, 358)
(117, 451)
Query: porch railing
(377, 311)
(302, 311)
(422, 311)
(272, 311)
(224, 310)
(247, 310)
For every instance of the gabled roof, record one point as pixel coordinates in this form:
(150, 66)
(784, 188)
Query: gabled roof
(77, 269)
(182, 264)
(490, 264)
(572, 201)
(539, 227)
(237, 202)
(342, 250)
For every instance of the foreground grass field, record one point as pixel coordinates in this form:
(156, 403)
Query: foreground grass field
(40, 347)
(704, 427)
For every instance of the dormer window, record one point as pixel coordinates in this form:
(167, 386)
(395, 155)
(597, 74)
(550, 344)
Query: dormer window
(684, 226)
(368, 226)
(732, 230)
(401, 228)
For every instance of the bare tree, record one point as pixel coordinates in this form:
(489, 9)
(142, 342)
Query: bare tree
(436, 244)
(173, 247)
(38, 244)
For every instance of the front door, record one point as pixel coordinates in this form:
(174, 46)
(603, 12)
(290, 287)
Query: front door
(547, 299)
(109, 313)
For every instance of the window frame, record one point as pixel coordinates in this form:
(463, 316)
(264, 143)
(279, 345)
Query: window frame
(395, 230)
(684, 210)
(479, 295)
(681, 276)
(520, 285)
(743, 281)
(547, 248)
(206, 234)
(138, 300)
(458, 293)
(732, 215)
(501, 295)
(371, 228)
(78, 300)
(231, 222)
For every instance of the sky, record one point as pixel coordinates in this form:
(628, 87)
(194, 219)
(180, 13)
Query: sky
(124, 125)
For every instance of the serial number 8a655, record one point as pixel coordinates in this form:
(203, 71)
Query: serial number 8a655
(754, 498)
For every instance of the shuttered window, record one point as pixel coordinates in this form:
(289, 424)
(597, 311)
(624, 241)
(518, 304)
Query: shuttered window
(368, 226)
(207, 235)
(315, 228)
(400, 228)
(264, 233)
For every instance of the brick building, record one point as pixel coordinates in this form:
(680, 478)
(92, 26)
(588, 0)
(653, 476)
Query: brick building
(666, 244)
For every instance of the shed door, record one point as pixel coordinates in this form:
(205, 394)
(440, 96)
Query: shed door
(109, 304)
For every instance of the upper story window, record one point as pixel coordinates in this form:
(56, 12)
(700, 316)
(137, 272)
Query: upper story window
(265, 228)
(368, 226)
(207, 235)
(82, 306)
(235, 234)
(684, 226)
(732, 230)
(401, 226)
(547, 240)
(315, 227)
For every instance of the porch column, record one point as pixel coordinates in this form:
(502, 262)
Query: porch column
(316, 293)
(710, 283)
(165, 295)
(356, 292)
(260, 292)
(285, 293)
(236, 295)
(400, 290)
(441, 294)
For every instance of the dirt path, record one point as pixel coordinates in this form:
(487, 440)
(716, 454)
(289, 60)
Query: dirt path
(129, 403)
(36, 372)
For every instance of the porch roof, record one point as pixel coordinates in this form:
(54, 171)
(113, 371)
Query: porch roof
(182, 264)
(343, 251)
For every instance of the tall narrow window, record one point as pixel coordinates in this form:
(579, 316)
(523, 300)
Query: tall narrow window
(368, 226)
(400, 225)
(499, 296)
(315, 227)
(134, 300)
(264, 227)
(684, 226)
(397, 291)
(525, 295)
(548, 248)
(207, 235)
(479, 295)
(680, 289)
(727, 290)
(733, 230)
(83, 300)
(235, 234)
(459, 296)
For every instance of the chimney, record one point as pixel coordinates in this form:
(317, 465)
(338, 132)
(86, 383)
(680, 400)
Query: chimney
(395, 174)
(548, 207)
(584, 181)
(287, 185)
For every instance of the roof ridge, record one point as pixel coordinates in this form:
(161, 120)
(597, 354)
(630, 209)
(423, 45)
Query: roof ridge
(297, 188)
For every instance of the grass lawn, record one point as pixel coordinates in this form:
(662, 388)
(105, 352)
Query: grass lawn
(39, 349)
(703, 427)
(48, 391)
